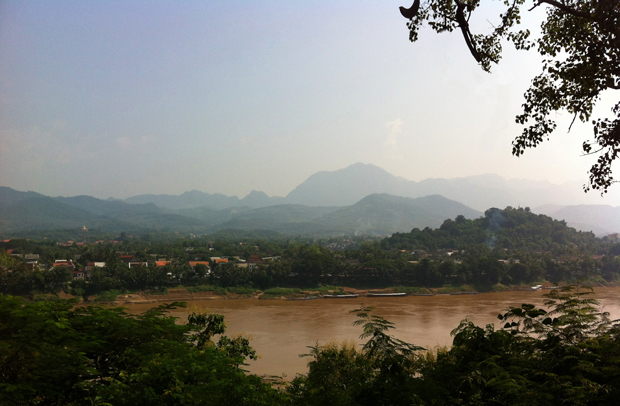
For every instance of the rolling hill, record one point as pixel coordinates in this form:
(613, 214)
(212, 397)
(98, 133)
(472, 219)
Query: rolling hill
(374, 214)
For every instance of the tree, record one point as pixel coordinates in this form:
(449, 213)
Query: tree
(580, 42)
(54, 353)
(381, 373)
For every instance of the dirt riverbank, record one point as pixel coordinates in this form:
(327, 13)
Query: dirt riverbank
(183, 295)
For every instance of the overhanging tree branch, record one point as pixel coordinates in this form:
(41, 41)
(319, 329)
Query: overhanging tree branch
(580, 41)
(564, 8)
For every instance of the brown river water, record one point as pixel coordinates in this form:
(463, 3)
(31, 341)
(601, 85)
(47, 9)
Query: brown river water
(281, 330)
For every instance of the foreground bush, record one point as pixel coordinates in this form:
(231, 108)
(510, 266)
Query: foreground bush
(568, 355)
(52, 353)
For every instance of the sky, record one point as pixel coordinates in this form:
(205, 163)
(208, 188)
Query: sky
(121, 98)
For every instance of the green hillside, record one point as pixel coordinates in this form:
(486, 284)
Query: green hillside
(386, 214)
(289, 218)
(45, 213)
(517, 229)
(377, 214)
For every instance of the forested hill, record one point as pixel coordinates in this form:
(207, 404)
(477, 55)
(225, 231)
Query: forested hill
(517, 229)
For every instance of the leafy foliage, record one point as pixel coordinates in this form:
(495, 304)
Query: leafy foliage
(568, 354)
(55, 353)
(581, 46)
(516, 229)
(345, 376)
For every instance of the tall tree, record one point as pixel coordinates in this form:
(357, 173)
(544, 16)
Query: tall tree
(580, 43)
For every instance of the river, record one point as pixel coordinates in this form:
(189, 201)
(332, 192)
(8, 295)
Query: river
(281, 330)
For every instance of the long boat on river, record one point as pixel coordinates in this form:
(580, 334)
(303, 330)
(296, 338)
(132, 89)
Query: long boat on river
(371, 294)
(349, 296)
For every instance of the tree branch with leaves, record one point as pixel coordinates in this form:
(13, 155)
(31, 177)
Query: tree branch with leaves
(580, 43)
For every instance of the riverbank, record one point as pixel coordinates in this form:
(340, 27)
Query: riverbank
(183, 294)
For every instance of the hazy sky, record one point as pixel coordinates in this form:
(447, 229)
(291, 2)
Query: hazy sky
(119, 98)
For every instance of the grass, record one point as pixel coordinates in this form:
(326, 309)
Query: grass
(282, 291)
(500, 288)
(411, 290)
(239, 290)
(322, 288)
(108, 296)
(202, 288)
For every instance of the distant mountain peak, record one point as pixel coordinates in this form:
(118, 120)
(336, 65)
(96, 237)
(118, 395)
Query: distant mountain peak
(367, 168)
(194, 193)
(345, 186)
(358, 165)
(255, 194)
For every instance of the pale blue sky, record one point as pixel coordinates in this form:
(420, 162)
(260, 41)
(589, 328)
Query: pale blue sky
(119, 98)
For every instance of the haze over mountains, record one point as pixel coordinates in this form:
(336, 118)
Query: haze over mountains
(376, 214)
(358, 199)
(347, 186)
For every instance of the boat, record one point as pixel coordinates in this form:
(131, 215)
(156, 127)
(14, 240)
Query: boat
(370, 294)
(536, 287)
(349, 296)
(305, 298)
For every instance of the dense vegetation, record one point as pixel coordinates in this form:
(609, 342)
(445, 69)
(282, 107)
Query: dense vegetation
(28, 214)
(53, 353)
(508, 247)
(510, 229)
(568, 354)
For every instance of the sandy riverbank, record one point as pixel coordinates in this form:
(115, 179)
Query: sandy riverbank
(183, 295)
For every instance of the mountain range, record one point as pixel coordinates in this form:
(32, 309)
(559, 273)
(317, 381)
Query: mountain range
(358, 199)
(349, 185)
(376, 214)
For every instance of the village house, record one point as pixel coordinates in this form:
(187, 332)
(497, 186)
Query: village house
(90, 268)
(66, 264)
(218, 260)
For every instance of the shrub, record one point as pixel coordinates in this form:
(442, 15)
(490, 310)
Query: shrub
(282, 291)
(108, 296)
(239, 290)
(411, 290)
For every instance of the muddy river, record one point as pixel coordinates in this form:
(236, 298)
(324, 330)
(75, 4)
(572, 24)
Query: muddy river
(281, 330)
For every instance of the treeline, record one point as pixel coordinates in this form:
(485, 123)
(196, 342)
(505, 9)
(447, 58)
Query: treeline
(312, 266)
(509, 247)
(56, 353)
(510, 229)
